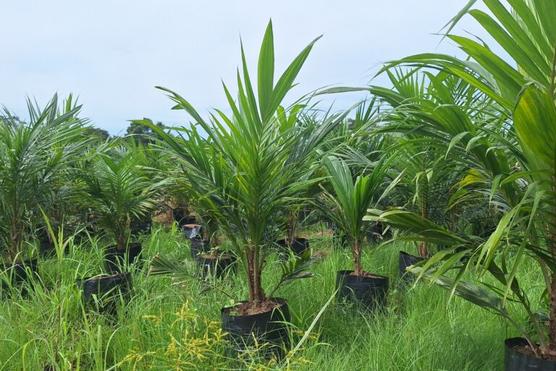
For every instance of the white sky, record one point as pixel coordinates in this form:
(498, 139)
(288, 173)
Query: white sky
(112, 53)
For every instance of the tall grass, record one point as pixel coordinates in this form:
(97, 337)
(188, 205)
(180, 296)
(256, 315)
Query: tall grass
(172, 324)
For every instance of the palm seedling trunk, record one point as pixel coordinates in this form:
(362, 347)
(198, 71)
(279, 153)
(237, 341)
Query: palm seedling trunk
(291, 228)
(356, 249)
(422, 250)
(123, 233)
(256, 293)
(552, 309)
(121, 242)
(16, 239)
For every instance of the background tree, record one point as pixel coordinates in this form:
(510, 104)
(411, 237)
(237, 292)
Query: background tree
(141, 133)
(97, 134)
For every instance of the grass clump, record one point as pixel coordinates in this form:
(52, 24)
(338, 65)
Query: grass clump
(174, 324)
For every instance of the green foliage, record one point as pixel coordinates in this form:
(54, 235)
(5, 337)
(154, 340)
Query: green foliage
(505, 144)
(352, 198)
(348, 205)
(524, 31)
(36, 157)
(118, 189)
(141, 133)
(251, 164)
(457, 153)
(174, 324)
(96, 135)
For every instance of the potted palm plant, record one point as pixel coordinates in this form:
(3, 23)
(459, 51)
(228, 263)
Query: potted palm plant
(206, 247)
(35, 158)
(425, 169)
(523, 234)
(347, 206)
(434, 113)
(298, 245)
(301, 121)
(119, 191)
(244, 169)
(514, 174)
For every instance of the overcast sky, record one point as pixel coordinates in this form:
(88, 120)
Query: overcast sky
(112, 53)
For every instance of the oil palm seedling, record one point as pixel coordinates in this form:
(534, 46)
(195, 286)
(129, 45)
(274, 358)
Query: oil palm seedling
(204, 236)
(208, 249)
(427, 179)
(447, 118)
(35, 156)
(522, 189)
(303, 121)
(293, 242)
(118, 191)
(347, 206)
(154, 162)
(356, 142)
(444, 122)
(245, 168)
(200, 228)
